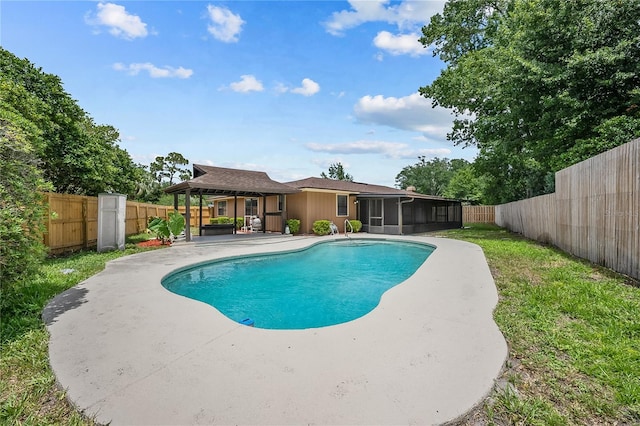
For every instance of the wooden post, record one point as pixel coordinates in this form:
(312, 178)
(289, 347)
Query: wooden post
(187, 211)
(85, 223)
(235, 213)
(200, 221)
(47, 238)
(264, 214)
(138, 230)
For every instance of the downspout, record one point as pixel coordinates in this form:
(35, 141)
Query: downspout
(410, 200)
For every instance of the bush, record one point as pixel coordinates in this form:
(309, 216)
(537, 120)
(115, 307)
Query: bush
(167, 229)
(22, 207)
(356, 225)
(239, 222)
(220, 219)
(294, 225)
(321, 227)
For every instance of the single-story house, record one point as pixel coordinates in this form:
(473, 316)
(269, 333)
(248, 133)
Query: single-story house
(382, 210)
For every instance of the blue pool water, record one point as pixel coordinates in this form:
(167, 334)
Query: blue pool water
(326, 284)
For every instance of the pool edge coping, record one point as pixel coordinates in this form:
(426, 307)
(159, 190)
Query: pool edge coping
(99, 406)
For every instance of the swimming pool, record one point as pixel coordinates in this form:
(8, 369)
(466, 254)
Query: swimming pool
(326, 284)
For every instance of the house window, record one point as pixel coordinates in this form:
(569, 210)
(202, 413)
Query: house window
(343, 205)
(280, 202)
(251, 207)
(222, 208)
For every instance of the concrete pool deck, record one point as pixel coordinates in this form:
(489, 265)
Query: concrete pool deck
(128, 351)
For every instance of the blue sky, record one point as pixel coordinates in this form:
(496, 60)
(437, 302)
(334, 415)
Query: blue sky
(285, 87)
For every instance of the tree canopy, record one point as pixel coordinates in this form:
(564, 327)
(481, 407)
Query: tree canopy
(336, 171)
(166, 169)
(537, 85)
(75, 154)
(434, 177)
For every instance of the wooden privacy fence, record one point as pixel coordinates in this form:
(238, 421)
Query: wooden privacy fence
(594, 213)
(195, 215)
(478, 214)
(72, 222)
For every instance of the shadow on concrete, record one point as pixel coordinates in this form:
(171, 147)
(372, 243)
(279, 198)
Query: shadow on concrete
(65, 301)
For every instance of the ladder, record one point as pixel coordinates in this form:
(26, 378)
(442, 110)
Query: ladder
(347, 223)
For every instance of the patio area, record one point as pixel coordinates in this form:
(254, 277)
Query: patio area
(130, 352)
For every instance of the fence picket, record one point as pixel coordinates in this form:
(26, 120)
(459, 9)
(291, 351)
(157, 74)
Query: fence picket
(594, 213)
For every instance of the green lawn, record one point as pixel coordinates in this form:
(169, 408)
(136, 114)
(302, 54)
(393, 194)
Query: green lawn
(28, 394)
(573, 331)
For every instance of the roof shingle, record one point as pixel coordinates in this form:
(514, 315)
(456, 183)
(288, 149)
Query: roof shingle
(224, 181)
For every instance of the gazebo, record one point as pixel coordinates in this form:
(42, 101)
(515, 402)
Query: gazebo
(220, 181)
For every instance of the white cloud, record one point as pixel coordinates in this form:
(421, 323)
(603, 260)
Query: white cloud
(225, 25)
(393, 150)
(402, 44)
(247, 83)
(413, 112)
(154, 72)
(120, 23)
(308, 88)
(406, 15)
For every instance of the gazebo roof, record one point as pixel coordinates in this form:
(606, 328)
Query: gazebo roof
(211, 180)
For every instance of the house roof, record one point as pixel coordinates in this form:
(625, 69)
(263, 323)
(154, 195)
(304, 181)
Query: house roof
(223, 181)
(358, 188)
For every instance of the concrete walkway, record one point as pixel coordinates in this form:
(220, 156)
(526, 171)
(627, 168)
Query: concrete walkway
(130, 352)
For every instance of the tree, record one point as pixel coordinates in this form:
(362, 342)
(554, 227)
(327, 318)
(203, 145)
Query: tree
(429, 177)
(336, 171)
(166, 169)
(536, 85)
(76, 155)
(148, 189)
(465, 185)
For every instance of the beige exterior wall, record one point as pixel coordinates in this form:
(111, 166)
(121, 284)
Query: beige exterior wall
(309, 206)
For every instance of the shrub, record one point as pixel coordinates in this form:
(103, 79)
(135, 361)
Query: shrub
(294, 225)
(239, 222)
(167, 229)
(356, 225)
(22, 206)
(220, 219)
(321, 227)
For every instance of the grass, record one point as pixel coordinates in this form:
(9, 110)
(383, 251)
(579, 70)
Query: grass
(573, 330)
(28, 391)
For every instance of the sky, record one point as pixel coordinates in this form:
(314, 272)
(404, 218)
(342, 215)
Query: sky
(285, 87)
